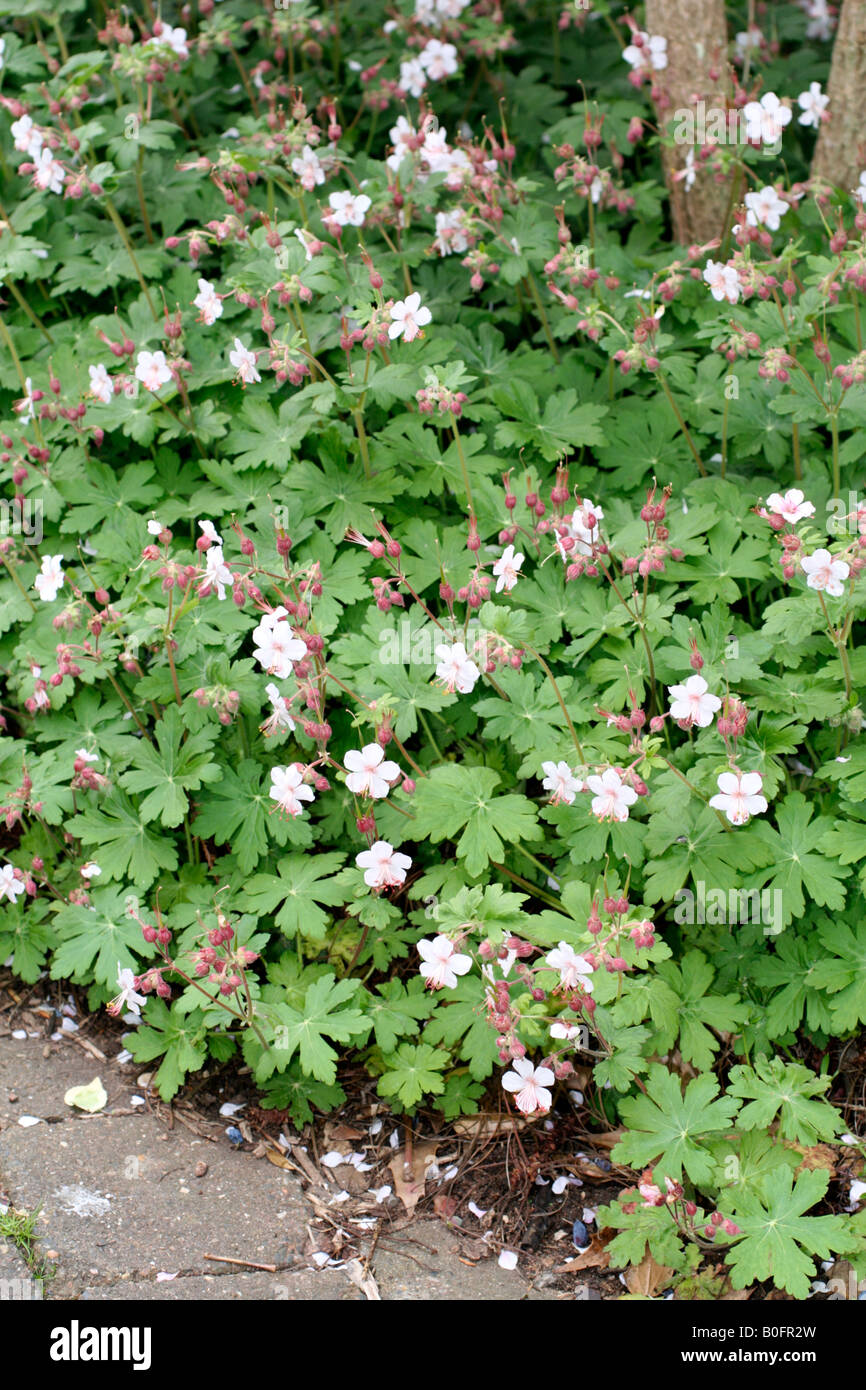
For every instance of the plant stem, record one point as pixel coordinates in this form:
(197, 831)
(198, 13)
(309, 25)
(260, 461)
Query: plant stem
(682, 424)
(122, 233)
(459, 442)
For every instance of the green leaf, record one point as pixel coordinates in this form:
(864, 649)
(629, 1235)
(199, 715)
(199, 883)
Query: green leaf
(774, 1088)
(668, 1126)
(97, 941)
(171, 768)
(126, 847)
(454, 799)
(779, 1241)
(413, 1072)
(301, 883)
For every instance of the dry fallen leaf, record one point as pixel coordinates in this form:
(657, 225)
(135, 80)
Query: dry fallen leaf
(410, 1187)
(596, 1257)
(608, 1140)
(648, 1277)
(818, 1156)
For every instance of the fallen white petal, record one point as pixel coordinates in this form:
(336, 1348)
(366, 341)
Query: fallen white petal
(25, 1121)
(476, 1210)
(508, 1259)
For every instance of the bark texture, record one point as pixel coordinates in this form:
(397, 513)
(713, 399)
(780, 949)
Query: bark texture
(697, 37)
(841, 150)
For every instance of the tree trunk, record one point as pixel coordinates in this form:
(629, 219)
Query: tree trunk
(841, 150)
(697, 38)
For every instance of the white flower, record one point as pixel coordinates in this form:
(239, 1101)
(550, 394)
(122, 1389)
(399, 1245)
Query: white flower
(612, 796)
(812, 105)
(280, 717)
(155, 528)
(10, 886)
(824, 573)
(50, 581)
(383, 866)
(442, 962)
(567, 1031)
(766, 119)
(451, 237)
(401, 135)
(348, 209)
(210, 532)
(27, 138)
(90, 870)
(650, 54)
(456, 670)
(2, 52)
(439, 59)
(175, 39)
(739, 796)
(765, 208)
(244, 363)
(748, 38)
(692, 703)
(308, 168)
(289, 790)
(821, 21)
(127, 999)
(413, 78)
(208, 303)
(561, 782)
(152, 370)
(275, 645)
(217, 573)
(861, 189)
(48, 172)
(723, 281)
(86, 756)
(100, 383)
(26, 407)
(791, 505)
(689, 171)
(368, 774)
(529, 1086)
(574, 970)
(506, 570)
(408, 317)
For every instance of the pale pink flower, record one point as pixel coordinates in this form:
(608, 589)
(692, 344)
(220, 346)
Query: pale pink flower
(650, 55)
(739, 796)
(765, 208)
(574, 970)
(289, 790)
(217, 574)
(280, 716)
(506, 570)
(208, 303)
(308, 168)
(413, 78)
(383, 866)
(402, 135)
(812, 104)
(612, 797)
(368, 774)
(723, 281)
(442, 962)
(529, 1086)
(456, 670)
(275, 645)
(26, 136)
(439, 59)
(561, 782)
(127, 999)
(408, 317)
(10, 885)
(210, 532)
(175, 39)
(692, 704)
(50, 581)
(48, 172)
(766, 119)
(451, 236)
(791, 505)
(348, 209)
(100, 383)
(152, 370)
(244, 363)
(825, 574)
